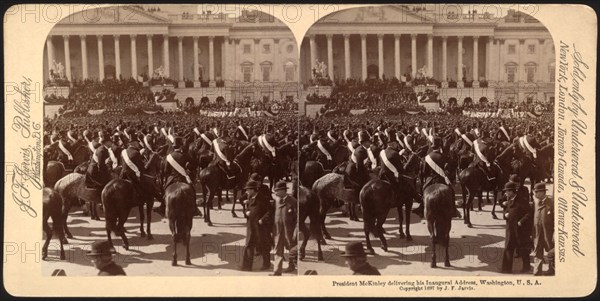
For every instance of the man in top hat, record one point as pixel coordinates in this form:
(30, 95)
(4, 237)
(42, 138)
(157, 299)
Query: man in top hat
(517, 239)
(356, 259)
(286, 208)
(133, 165)
(114, 151)
(242, 132)
(434, 171)
(101, 256)
(483, 154)
(178, 168)
(503, 133)
(62, 149)
(258, 226)
(223, 153)
(543, 222)
(98, 174)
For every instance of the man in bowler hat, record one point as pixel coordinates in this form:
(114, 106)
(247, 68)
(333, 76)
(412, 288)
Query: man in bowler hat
(543, 222)
(258, 227)
(356, 259)
(101, 256)
(286, 211)
(517, 214)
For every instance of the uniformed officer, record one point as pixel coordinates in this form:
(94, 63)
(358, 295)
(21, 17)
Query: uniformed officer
(434, 171)
(483, 154)
(133, 165)
(97, 174)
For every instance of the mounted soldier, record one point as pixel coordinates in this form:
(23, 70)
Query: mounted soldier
(503, 133)
(242, 132)
(60, 149)
(483, 154)
(434, 171)
(98, 174)
(133, 165)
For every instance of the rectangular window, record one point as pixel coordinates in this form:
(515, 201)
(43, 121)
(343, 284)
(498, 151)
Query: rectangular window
(266, 49)
(531, 49)
(511, 74)
(247, 74)
(512, 49)
(266, 74)
(247, 48)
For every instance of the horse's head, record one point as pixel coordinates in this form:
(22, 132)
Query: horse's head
(154, 164)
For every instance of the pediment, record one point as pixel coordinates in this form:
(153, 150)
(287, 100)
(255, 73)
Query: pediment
(376, 14)
(114, 15)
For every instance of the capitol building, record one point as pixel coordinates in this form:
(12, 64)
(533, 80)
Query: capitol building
(251, 56)
(471, 54)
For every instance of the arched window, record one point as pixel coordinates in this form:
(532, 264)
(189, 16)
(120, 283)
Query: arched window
(290, 71)
(266, 68)
(511, 71)
(530, 69)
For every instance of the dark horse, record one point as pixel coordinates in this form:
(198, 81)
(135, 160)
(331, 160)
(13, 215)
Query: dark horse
(180, 199)
(308, 204)
(52, 208)
(54, 171)
(439, 210)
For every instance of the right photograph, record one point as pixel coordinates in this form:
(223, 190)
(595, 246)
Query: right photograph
(427, 142)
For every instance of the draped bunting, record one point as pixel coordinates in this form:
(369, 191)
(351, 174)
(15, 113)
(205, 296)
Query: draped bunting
(96, 112)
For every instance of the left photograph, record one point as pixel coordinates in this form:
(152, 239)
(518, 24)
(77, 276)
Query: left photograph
(170, 144)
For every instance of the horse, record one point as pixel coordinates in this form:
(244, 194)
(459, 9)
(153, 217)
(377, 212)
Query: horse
(54, 171)
(71, 189)
(308, 206)
(376, 199)
(312, 171)
(242, 160)
(200, 151)
(439, 210)
(329, 189)
(52, 208)
(180, 199)
(473, 181)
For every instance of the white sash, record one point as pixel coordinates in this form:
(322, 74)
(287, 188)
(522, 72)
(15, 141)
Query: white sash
(529, 147)
(350, 146)
(112, 158)
(197, 131)
(476, 131)
(178, 168)
(402, 152)
(216, 131)
(416, 129)
(424, 132)
(95, 157)
(430, 138)
(71, 137)
(457, 131)
(323, 150)
(330, 137)
(203, 136)
(65, 150)
(147, 144)
(353, 158)
(219, 152)
(436, 168)
(480, 154)
(91, 146)
(386, 133)
(407, 145)
(127, 135)
(345, 134)
(243, 131)
(156, 130)
(372, 158)
(164, 132)
(267, 145)
(399, 140)
(171, 138)
(310, 138)
(467, 139)
(130, 163)
(388, 164)
(505, 132)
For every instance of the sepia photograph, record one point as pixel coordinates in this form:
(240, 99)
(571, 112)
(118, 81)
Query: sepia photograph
(427, 141)
(170, 140)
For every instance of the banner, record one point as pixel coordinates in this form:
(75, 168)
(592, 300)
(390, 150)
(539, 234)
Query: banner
(96, 112)
(358, 112)
(151, 112)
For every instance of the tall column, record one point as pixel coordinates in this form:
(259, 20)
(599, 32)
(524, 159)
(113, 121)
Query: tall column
(500, 66)
(256, 62)
(134, 72)
(166, 55)
(521, 68)
(488, 59)
(363, 54)
(459, 64)
(224, 55)
(475, 61)
(397, 56)
(380, 54)
(330, 56)
(276, 65)
(413, 54)
(430, 55)
(211, 59)
(196, 73)
(313, 52)
(117, 56)
(67, 57)
(236, 65)
(445, 61)
(50, 53)
(347, 55)
(100, 58)
(150, 56)
(542, 69)
(84, 64)
(180, 60)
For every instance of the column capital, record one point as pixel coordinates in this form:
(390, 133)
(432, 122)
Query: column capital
(99, 37)
(195, 38)
(226, 39)
(429, 36)
(501, 41)
(149, 36)
(475, 37)
(180, 38)
(363, 36)
(82, 36)
(346, 36)
(460, 37)
(256, 41)
(329, 36)
(413, 36)
(380, 36)
(166, 36)
(210, 38)
(66, 37)
(116, 36)
(541, 41)
(49, 38)
(312, 37)
(521, 41)
(397, 36)
(444, 38)
(132, 36)
(276, 41)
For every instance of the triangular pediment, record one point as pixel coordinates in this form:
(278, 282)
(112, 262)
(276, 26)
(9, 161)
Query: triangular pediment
(114, 15)
(376, 14)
